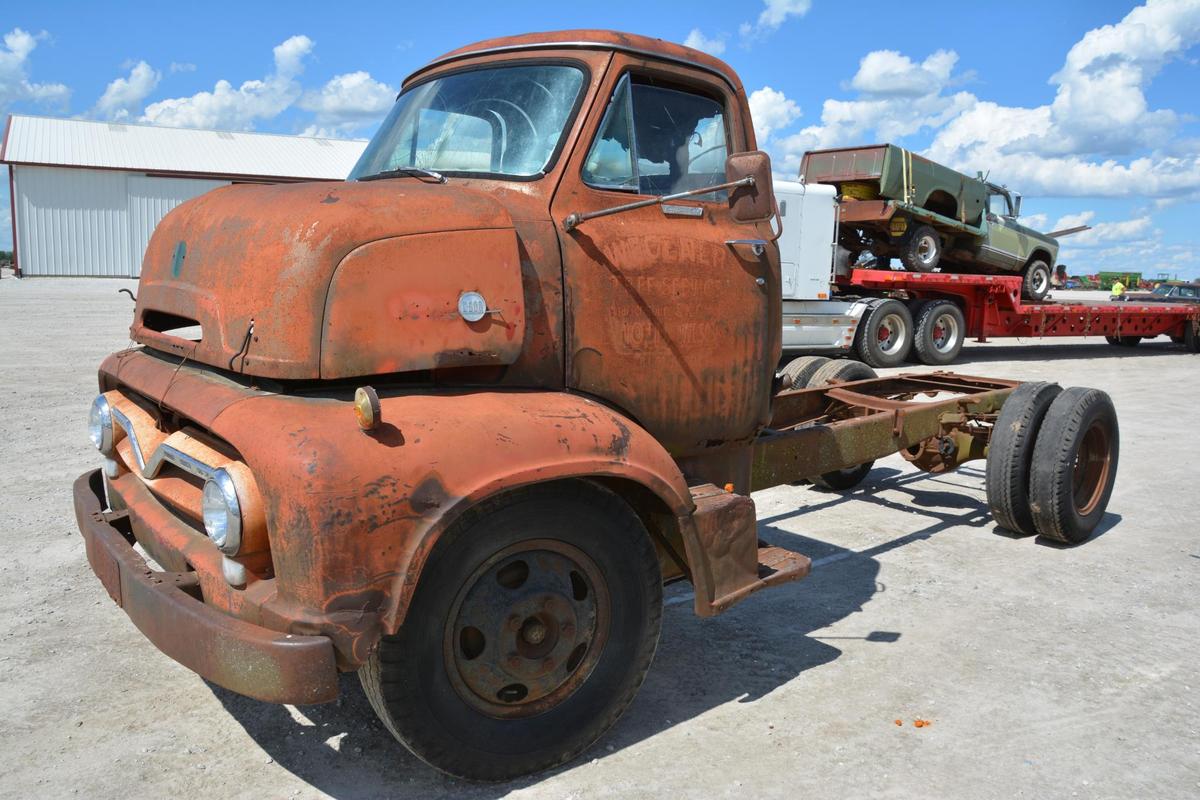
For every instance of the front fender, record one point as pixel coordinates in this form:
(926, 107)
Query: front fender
(353, 516)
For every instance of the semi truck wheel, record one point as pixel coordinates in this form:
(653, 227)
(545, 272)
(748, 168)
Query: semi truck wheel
(1074, 465)
(844, 370)
(1036, 281)
(801, 369)
(923, 250)
(940, 332)
(1010, 455)
(532, 627)
(885, 334)
(1191, 338)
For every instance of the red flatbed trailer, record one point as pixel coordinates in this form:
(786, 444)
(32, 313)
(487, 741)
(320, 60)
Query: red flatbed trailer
(993, 308)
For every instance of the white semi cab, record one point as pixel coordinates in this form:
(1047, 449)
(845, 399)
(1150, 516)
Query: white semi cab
(812, 320)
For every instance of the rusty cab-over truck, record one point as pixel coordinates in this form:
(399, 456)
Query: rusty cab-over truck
(453, 423)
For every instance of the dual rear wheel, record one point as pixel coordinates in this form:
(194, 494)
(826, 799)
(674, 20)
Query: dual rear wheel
(891, 331)
(1052, 461)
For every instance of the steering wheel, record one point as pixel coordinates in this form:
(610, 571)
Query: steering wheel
(705, 152)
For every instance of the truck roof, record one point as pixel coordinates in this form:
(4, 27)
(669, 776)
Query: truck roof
(588, 39)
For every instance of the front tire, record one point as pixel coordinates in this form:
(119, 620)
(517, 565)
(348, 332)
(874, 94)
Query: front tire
(531, 630)
(1036, 282)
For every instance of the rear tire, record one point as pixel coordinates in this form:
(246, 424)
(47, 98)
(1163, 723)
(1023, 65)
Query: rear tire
(801, 369)
(884, 336)
(923, 250)
(844, 370)
(1010, 455)
(1191, 338)
(570, 629)
(1074, 465)
(940, 331)
(1036, 282)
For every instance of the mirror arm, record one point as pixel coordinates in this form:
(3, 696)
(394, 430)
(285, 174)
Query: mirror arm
(574, 219)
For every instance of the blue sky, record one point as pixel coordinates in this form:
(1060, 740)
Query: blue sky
(1089, 108)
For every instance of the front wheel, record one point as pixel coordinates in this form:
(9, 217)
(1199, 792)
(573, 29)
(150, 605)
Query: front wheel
(1036, 282)
(531, 630)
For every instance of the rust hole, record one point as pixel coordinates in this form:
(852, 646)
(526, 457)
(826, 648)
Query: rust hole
(576, 657)
(579, 587)
(471, 642)
(513, 693)
(511, 576)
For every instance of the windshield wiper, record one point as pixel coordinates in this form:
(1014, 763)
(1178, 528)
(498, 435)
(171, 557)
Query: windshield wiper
(416, 172)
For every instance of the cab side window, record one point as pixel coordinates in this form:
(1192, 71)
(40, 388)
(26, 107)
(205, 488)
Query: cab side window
(998, 205)
(658, 140)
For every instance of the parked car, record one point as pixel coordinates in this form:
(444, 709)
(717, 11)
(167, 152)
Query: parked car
(1170, 292)
(899, 205)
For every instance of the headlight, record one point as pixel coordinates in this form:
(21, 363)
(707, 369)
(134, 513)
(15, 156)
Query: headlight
(222, 513)
(100, 427)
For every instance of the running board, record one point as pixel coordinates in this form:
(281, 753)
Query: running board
(728, 562)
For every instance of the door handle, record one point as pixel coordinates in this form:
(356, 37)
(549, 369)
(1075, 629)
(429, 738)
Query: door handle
(757, 246)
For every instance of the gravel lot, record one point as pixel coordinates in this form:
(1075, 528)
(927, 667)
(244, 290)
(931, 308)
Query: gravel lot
(1046, 672)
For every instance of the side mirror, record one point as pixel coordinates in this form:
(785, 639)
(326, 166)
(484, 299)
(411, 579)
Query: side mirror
(1016, 201)
(750, 203)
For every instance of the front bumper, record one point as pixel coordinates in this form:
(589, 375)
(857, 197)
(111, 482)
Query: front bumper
(242, 657)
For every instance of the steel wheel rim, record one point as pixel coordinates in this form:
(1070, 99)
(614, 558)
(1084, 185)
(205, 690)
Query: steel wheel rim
(926, 248)
(517, 646)
(1093, 463)
(1040, 278)
(945, 333)
(891, 333)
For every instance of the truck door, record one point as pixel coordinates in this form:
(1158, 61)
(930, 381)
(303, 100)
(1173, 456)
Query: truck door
(672, 312)
(1006, 247)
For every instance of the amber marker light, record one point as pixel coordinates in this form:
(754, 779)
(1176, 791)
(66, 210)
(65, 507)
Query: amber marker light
(366, 408)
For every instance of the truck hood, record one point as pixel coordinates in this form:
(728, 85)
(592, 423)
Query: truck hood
(333, 280)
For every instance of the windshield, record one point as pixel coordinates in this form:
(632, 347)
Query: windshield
(1162, 291)
(500, 120)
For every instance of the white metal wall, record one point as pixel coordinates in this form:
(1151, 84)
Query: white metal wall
(91, 222)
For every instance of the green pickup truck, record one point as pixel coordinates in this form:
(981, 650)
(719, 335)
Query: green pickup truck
(895, 204)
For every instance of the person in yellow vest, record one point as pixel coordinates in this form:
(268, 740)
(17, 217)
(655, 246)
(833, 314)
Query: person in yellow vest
(1118, 290)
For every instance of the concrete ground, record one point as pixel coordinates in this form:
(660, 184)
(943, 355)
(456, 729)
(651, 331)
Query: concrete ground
(1046, 672)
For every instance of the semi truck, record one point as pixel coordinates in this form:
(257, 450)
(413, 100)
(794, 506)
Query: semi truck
(453, 423)
(885, 317)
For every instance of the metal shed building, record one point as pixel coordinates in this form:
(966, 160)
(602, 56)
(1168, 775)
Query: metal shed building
(86, 195)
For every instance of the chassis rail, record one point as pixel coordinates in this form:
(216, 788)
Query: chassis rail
(936, 420)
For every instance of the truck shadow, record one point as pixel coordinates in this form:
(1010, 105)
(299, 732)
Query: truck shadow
(741, 656)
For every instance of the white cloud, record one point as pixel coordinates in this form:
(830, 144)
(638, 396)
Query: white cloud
(238, 109)
(1127, 230)
(181, 66)
(15, 84)
(771, 110)
(897, 98)
(714, 46)
(773, 15)
(1098, 137)
(123, 96)
(887, 72)
(347, 102)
